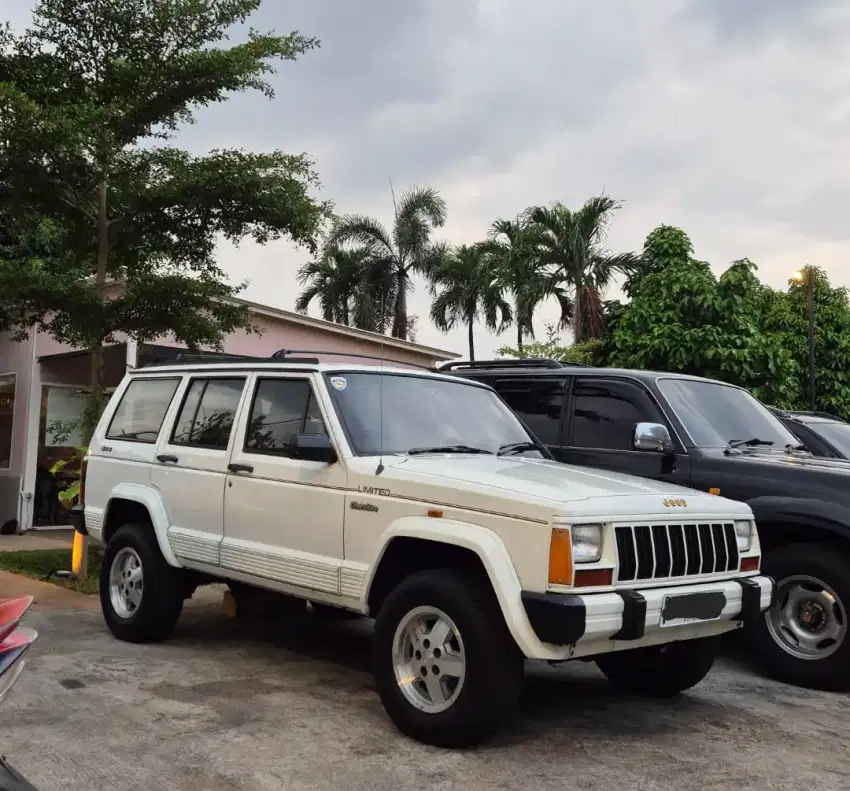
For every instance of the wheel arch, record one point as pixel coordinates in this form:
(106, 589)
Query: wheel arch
(130, 502)
(415, 543)
(791, 520)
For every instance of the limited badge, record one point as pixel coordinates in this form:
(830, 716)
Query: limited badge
(338, 382)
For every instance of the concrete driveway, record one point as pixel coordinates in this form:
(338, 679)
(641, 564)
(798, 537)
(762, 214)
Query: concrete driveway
(228, 705)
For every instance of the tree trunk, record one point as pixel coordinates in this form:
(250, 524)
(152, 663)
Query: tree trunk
(471, 342)
(400, 320)
(519, 336)
(93, 408)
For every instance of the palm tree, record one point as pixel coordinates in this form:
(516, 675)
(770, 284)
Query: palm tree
(466, 288)
(571, 248)
(407, 250)
(332, 279)
(514, 246)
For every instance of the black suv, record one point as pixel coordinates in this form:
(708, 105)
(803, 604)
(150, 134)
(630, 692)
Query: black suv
(822, 434)
(715, 437)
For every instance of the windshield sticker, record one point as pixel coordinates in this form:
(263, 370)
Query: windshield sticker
(339, 382)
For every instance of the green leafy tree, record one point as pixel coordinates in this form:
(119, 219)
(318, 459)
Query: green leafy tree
(572, 249)
(88, 97)
(666, 245)
(349, 291)
(466, 288)
(513, 247)
(685, 319)
(586, 353)
(406, 250)
(787, 313)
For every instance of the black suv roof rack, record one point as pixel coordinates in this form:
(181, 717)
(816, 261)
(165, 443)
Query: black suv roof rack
(524, 362)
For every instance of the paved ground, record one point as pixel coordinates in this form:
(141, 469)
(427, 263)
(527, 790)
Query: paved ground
(38, 539)
(229, 706)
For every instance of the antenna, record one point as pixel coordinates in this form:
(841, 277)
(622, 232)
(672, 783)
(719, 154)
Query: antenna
(381, 403)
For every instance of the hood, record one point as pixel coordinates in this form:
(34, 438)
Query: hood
(791, 461)
(542, 481)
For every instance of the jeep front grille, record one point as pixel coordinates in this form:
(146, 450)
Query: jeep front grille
(647, 552)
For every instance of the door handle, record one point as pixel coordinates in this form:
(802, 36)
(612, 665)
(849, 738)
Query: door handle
(167, 458)
(240, 467)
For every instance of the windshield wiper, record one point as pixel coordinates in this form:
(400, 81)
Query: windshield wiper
(520, 447)
(750, 443)
(448, 449)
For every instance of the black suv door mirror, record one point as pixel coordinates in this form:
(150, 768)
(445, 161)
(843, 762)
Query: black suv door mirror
(312, 447)
(652, 438)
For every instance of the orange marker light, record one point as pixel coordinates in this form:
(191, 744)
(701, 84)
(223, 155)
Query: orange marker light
(560, 557)
(714, 490)
(434, 513)
(750, 564)
(592, 578)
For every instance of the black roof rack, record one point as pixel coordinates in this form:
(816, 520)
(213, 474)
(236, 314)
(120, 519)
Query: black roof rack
(525, 362)
(283, 354)
(211, 358)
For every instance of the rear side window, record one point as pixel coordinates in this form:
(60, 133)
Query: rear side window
(208, 412)
(142, 409)
(538, 402)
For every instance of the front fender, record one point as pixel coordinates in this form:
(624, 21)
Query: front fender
(493, 554)
(152, 500)
(803, 511)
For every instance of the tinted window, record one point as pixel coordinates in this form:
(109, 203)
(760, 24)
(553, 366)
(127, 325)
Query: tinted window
(716, 414)
(282, 407)
(139, 416)
(208, 411)
(836, 434)
(605, 414)
(539, 402)
(395, 413)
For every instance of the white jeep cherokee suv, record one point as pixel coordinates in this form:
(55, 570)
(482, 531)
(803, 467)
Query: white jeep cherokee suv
(421, 500)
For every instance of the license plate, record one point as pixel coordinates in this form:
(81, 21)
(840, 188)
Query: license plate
(691, 608)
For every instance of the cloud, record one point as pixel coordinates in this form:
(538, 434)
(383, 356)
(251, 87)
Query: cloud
(727, 118)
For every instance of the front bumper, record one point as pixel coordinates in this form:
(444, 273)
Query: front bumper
(635, 616)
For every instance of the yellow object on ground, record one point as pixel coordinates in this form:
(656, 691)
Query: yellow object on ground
(80, 555)
(228, 605)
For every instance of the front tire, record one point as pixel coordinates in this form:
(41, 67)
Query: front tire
(803, 639)
(662, 671)
(447, 669)
(141, 596)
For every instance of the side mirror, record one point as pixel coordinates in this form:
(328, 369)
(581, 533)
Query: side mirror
(312, 447)
(652, 438)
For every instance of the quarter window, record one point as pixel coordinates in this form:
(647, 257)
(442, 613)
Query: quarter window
(281, 409)
(605, 413)
(142, 409)
(208, 412)
(538, 402)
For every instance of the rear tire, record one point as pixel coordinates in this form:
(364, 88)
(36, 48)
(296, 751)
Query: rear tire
(785, 639)
(450, 689)
(662, 671)
(141, 596)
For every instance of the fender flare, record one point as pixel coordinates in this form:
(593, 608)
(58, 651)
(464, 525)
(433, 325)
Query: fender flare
(492, 552)
(802, 511)
(150, 499)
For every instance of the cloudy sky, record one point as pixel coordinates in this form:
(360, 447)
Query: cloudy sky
(728, 118)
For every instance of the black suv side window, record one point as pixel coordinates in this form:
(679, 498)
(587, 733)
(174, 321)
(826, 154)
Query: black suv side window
(539, 404)
(605, 412)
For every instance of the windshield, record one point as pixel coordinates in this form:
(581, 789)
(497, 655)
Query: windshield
(715, 414)
(836, 434)
(419, 413)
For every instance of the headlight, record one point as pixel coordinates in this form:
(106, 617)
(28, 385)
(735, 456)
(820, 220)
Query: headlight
(744, 535)
(587, 543)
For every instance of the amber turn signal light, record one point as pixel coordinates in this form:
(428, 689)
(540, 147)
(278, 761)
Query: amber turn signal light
(593, 578)
(561, 557)
(750, 564)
